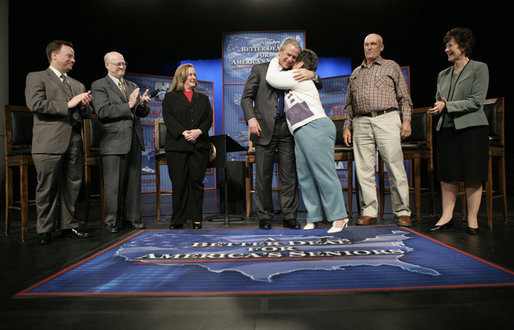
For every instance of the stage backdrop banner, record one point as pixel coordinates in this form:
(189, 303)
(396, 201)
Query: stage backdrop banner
(163, 85)
(241, 50)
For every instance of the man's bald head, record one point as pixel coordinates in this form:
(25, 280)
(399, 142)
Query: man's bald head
(373, 47)
(115, 64)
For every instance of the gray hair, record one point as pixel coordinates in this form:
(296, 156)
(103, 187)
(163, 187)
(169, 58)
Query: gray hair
(290, 41)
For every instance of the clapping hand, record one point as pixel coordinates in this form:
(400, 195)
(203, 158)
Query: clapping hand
(133, 98)
(145, 97)
(81, 99)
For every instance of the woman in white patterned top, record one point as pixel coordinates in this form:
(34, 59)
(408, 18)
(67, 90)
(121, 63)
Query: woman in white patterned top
(314, 136)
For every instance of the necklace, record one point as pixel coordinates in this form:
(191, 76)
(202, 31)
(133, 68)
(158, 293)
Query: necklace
(451, 90)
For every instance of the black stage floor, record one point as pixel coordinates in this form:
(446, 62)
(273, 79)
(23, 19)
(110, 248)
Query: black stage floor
(26, 263)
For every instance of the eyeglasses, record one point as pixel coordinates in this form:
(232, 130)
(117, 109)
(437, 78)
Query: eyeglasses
(119, 64)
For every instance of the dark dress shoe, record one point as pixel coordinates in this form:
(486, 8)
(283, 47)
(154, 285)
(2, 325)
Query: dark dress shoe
(197, 225)
(472, 231)
(447, 225)
(292, 224)
(366, 220)
(265, 224)
(133, 224)
(43, 238)
(137, 225)
(112, 228)
(176, 226)
(75, 232)
(404, 220)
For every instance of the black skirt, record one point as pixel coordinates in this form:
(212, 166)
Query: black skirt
(462, 155)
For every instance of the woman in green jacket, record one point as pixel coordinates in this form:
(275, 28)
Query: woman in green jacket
(462, 128)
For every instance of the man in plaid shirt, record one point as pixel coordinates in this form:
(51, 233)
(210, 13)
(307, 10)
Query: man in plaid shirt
(378, 109)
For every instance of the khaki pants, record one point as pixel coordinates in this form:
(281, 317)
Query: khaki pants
(382, 132)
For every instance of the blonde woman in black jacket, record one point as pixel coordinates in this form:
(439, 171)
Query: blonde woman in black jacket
(188, 118)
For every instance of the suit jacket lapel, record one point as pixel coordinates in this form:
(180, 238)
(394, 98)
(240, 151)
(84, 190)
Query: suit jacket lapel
(445, 84)
(75, 86)
(465, 74)
(455, 80)
(53, 77)
(115, 88)
(129, 88)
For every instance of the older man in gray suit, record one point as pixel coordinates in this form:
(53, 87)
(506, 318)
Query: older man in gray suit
(263, 110)
(59, 103)
(119, 107)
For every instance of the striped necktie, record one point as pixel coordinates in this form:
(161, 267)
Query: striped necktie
(67, 84)
(122, 88)
(76, 119)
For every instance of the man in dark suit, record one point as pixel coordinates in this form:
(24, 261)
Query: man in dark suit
(117, 103)
(59, 103)
(269, 132)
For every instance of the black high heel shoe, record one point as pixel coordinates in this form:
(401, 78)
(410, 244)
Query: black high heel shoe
(197, 225)
(176, 227)
(472, 231)
(447, 225)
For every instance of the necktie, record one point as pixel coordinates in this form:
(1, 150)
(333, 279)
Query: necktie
(67, 85)
(74, 113)
(280, 103)
(120, 85)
